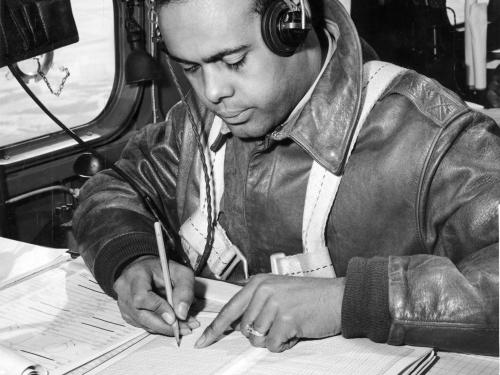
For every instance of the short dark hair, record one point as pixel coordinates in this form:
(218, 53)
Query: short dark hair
(260, 5)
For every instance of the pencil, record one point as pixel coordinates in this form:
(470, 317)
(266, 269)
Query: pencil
(166, 277)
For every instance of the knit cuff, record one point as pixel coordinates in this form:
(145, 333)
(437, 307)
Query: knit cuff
(365, 306)
(118, 253)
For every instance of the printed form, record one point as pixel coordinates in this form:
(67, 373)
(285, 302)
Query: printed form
(61, 319)
(20, 260)
(234, 355)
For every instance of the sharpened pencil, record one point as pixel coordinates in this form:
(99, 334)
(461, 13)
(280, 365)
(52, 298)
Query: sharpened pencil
(166, 277)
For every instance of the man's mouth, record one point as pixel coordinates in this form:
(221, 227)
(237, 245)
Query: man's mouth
(234, 117)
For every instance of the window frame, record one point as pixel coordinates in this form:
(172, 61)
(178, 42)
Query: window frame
(114, 120)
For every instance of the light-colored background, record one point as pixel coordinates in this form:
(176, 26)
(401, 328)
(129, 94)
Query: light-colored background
(91, 63)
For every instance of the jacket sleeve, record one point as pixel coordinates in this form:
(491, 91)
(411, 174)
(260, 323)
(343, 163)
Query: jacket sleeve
(446, 297)
(111, 225)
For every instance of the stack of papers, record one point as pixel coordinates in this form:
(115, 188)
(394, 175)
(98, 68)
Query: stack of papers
(59, 321)
(233, 355)
(20, 260)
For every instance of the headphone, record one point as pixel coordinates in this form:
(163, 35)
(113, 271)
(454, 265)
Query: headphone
(284, 26)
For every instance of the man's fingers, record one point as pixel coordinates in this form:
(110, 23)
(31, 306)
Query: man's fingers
(139, 303)
(229, 313)
(143, 297)
(255, 308)
(262, 324)
(193, 323)
(153, 302)
(183, 289)
(281, 336)
(126, 316)
(153, 312)
(184, 330)
(153, 323)
(278, 346)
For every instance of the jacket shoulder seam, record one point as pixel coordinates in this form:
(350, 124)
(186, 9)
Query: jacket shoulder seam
(430, 98)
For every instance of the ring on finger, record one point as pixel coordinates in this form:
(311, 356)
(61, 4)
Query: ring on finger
(252, 331)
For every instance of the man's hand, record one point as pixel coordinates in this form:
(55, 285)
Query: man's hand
(141, 296)
(281, 309)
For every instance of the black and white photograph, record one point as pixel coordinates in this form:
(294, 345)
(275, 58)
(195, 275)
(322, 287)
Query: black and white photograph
(263, 187)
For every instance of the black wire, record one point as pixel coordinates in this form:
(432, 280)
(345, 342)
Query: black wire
(167, 225)
(210, 223)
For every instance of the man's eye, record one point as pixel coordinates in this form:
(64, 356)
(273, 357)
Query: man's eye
(236, 65)
(191, 69)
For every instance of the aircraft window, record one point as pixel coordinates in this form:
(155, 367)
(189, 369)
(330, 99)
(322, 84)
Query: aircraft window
(78, 79)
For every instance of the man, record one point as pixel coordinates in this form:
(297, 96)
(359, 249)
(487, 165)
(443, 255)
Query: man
(412, 234)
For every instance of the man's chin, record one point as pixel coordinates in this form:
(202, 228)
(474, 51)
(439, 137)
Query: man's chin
(248, 129)
(245, 131)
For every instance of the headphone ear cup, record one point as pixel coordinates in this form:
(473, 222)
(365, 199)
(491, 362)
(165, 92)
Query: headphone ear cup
(282, 42)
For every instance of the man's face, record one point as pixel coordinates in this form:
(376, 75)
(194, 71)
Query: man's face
(220, 47)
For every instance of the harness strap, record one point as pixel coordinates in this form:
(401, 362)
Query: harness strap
(193, 233)
(323, 186)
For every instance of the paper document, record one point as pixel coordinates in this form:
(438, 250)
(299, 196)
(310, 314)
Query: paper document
(463, 364)
(61, 319)
(13, 363)
(233, 354)
(19, 259)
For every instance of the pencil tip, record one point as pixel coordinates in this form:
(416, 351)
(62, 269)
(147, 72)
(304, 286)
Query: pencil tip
(177, 335)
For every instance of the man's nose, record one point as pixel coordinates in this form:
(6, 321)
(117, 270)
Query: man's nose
(216, 84)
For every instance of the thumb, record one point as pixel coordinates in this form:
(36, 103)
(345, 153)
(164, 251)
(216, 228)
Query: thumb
(183, 288)
(161, 307)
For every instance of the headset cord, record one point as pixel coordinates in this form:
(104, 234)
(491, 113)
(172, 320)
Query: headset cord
(165, 221)
(211, 222)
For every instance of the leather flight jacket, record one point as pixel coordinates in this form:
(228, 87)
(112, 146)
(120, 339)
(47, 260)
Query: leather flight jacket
(414, 227)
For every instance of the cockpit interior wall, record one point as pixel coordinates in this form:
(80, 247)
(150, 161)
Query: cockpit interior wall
(40, 177)
(28, 29)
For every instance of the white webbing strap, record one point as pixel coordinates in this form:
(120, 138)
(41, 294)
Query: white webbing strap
(224, 256)
(322, 189)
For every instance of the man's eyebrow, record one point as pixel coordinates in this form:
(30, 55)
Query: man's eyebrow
(214, 58)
